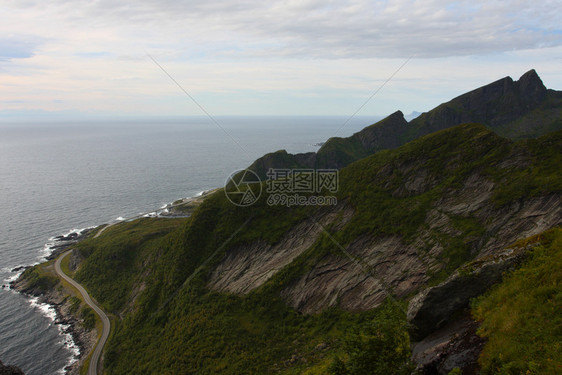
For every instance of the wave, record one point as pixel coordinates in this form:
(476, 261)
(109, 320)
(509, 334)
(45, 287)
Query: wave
(165, 209)
(64, 330)
(14, 275)
(60, 240)
(51, 245)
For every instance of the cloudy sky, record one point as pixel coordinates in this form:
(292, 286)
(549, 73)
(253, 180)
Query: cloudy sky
(247, 57)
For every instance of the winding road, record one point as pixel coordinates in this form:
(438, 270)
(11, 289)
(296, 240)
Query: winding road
(94, 360)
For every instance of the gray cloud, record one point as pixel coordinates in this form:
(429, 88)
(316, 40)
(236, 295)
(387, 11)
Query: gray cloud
(336, 29)
(92, 54)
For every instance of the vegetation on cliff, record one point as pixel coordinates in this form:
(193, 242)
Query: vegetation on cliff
(521, 317)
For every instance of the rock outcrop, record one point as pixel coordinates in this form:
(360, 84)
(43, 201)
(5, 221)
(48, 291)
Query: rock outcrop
(65, 315)
(245, 268)
(493, 105)
(432, 308)
(456, 345)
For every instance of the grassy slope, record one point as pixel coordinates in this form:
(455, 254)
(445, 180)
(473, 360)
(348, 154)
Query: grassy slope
(175, 326)
(522, 317)
(115, 259)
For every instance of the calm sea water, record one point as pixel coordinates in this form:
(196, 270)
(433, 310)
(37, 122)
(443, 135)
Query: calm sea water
(58, 176)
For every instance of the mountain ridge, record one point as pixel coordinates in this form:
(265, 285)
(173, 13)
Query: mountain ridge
(496, 105)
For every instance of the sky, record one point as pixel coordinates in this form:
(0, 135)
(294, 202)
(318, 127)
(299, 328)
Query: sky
(244, 57)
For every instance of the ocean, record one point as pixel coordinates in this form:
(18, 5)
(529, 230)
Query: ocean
(56, 177)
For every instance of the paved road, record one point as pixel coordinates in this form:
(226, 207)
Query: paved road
(102, 229)
(93, 370)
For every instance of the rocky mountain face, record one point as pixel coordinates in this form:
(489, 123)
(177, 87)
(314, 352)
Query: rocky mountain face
(339, 152)
(497, 105)
(513, 109)
(477, 198)
(462, 221)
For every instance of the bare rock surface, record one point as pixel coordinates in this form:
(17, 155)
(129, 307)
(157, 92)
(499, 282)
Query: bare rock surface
(247, 267)
(369, 269)
(433, 307)
(455, 345)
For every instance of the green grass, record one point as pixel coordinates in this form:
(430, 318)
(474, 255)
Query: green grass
(114, 258)
(220, 334)
(75, 303)
(341, 151)
(522, 316)
(379, 347)
(64, 265)
(88, 318)
(541, 176)
(39, 279)
(375, 186)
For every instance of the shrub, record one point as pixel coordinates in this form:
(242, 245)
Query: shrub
(381, 346)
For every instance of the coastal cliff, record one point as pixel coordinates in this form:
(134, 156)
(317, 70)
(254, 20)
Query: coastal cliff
(289, 278)
(430, 217)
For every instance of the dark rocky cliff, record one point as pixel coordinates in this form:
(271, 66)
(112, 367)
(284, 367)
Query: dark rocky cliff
(428, 225)
(493, 105)
(513, 109)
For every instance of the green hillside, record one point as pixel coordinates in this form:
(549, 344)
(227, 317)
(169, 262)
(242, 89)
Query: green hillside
(153, 274)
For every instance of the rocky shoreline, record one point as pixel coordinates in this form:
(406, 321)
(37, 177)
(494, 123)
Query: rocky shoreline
(69, 322)
(60, 299)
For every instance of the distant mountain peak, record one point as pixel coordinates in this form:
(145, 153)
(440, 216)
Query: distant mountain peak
(531, 85)
(397, 114)
(531, 75)
(512, 109)
(495, 105)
